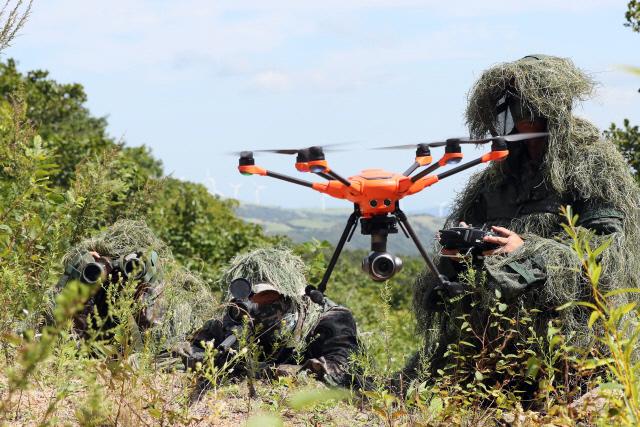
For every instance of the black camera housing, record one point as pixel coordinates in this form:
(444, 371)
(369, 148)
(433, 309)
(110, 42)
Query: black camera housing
(466, 239)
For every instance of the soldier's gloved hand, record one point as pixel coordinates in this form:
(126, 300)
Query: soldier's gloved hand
(317, 366)
(182, 349)
(286, 370)
(508, 240)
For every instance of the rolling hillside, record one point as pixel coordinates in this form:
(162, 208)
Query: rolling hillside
(305, 224)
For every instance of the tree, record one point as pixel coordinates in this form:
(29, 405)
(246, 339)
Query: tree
(628, 141)
(65, 124)
(103, 180)
(633, 15)
(202, 230)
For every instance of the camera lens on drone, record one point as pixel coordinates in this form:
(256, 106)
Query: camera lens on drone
(383, 267)
(387, 202)
(373, 203)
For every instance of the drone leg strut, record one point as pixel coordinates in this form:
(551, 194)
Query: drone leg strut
(352, 222)
(316, 295)
(402, 218)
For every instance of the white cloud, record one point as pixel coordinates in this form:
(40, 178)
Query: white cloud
(272, 80)
(125, 35)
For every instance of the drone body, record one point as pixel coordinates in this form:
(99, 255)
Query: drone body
(376, 195)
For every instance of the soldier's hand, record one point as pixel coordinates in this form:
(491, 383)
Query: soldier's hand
(95, 255)
(508, 240)
(286, 370)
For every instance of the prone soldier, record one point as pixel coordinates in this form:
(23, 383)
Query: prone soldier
(266, 304)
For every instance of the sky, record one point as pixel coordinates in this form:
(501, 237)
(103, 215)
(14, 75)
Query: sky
(196, 80)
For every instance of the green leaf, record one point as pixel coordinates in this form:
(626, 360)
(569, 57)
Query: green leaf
(155, 413)
(56, 198)
(310, 397)
(533, 367)
(502, 307)
(479, 377)
(626, 308)
(595, 315)
(611, 386)
(622, 291)
(265, 420)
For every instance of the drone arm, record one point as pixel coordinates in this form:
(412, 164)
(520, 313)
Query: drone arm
(324, 175)
(423, 182)
(420, 161)
(335, 176)
(425, 172)
(444, 160)
(256, 170)
(489, 157)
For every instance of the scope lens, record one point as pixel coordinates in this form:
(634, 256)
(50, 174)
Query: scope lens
(92, 273)
(134, 266)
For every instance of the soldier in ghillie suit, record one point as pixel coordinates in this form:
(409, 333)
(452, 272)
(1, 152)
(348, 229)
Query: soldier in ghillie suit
(132, 273)
(267, 308)
(534, 270)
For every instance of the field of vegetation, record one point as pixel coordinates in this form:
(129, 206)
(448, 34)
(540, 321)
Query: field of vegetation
(63, 178)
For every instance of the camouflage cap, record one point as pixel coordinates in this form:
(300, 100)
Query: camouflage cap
(274, 269)
(263, 287)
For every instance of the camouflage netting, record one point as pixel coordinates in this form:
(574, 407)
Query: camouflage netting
(282, 269)
(182, 299)
(578, 165)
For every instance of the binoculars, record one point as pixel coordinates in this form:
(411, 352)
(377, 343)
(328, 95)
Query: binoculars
(128, 266)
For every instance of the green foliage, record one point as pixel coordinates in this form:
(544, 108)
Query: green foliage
(618, 326)
(201, 229)
(627, 139)
(59, 114)
(632, 15)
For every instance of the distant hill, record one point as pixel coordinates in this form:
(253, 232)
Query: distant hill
(302, 225)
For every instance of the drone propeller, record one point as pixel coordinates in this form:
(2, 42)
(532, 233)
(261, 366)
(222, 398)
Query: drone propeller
(508, 138)
(291, 151)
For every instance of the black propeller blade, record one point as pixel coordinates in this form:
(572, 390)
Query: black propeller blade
(291, 151)
(508, 138)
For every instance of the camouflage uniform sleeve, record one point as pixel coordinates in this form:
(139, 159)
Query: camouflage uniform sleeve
(518, 275)
(599, 217)
(523, 273)
(332, 341)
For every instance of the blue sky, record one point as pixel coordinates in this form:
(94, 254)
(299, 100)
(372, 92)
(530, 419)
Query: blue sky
(195, 79)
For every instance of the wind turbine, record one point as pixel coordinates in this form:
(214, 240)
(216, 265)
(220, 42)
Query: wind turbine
(259, 188)
(211, 185)
(441, 208)
(236, 189)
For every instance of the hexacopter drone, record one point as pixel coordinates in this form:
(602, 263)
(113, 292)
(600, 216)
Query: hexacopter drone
(376, 195)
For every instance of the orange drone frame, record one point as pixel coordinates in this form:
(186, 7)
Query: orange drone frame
(376, 195)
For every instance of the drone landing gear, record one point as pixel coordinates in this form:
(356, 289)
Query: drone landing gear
(379, 227)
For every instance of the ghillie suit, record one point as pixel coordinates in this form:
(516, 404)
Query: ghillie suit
(290, 331)
(525, 196)
(163, 298)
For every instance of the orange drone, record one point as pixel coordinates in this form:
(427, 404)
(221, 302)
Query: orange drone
(376, 195)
